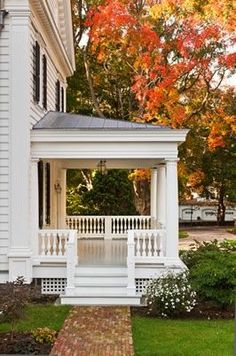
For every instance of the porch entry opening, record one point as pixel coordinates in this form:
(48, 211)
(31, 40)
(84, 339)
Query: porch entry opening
(99, 252)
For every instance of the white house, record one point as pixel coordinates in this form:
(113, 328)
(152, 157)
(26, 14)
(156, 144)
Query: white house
(89, 260)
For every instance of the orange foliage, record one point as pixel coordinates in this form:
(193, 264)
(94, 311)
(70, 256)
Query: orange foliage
(140, 175)
(176, 50)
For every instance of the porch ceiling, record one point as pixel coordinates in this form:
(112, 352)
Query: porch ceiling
(70, 136)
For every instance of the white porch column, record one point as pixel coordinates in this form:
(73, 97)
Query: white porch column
(153, 197)
(34, 205)
(172, 223)
(161, 194)
(19, 244)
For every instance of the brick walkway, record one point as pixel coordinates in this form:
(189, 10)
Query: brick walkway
(95, 331)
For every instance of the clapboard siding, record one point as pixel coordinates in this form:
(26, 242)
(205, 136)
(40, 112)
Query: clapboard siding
(37, 111)
(4, 145)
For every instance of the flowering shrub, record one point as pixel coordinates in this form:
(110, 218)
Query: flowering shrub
(44, 335)
(170, 295)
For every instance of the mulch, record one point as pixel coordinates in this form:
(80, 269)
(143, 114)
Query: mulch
(203, 311)
(22, 344)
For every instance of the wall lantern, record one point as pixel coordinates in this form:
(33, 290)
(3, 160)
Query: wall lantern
(57, 187)
(101, 167)
(3, 13)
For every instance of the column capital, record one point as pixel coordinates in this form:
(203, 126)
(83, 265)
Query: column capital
(34, 160)
(172, 160)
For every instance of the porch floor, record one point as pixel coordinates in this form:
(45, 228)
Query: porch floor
(98, 252)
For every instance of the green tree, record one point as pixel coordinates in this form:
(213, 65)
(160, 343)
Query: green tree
(112, 194)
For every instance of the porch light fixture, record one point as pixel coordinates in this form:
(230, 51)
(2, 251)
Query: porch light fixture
(3, 13)
(57, 187)
(101, 166)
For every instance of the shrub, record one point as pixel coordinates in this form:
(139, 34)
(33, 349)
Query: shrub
(212, 271)
(14, 298)
(214, 277)
(228, 245)
(44, 335)
(170, 295)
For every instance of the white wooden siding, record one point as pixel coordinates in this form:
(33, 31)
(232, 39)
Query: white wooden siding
(4, 144)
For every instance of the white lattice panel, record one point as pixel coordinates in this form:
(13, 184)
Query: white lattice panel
(141, 284)
(53, 285)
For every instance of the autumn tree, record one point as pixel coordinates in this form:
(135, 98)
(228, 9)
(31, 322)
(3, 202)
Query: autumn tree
(163, 62)
(98, 88)
(177, 53)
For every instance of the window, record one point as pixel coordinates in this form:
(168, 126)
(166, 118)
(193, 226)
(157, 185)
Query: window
(47, 193)
(57, 89)
(62, 99)
(40, 182)
(45, 82)
(44, 193)
(36, 72)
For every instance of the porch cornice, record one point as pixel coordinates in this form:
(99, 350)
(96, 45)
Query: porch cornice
(135, 135)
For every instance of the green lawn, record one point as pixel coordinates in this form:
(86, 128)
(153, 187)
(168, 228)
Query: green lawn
(182, 337)
(38, 316)
(183, 234)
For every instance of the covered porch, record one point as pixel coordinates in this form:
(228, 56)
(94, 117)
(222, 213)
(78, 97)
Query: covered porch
(139, 246)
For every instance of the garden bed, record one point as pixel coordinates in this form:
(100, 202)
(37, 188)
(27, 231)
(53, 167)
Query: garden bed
(203, 311)
(23, 343)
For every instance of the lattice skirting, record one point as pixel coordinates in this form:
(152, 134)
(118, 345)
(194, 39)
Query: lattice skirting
(141, 284)
(53, 285)
(58, 285)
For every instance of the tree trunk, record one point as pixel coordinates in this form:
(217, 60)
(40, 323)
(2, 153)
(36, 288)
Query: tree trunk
(142, 197)
(221, 208)
(90, 83)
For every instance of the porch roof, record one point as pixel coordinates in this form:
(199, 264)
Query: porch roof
(66, 121)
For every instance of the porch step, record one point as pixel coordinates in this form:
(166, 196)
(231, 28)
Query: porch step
(100, 271)
(105, 281)
(100, 290)
(100, 300)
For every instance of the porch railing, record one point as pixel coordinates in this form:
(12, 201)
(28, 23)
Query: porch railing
(144, 246)
(53, 244)
(107, 226)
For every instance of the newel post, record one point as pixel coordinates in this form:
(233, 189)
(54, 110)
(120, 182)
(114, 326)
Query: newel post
(71, 262)
(108, 221)
(131, 290)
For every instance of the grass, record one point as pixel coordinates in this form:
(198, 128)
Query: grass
(232, 230)
(38, 316)
(183, 234)
(159, 337)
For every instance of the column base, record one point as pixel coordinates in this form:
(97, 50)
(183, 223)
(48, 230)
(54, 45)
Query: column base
(20, 264)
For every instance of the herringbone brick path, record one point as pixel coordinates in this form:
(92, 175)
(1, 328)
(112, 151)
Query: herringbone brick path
(95, 331)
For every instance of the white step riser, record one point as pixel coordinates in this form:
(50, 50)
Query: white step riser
(100, 290)
(100, 301)
(101, 280)
(101, 271)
